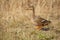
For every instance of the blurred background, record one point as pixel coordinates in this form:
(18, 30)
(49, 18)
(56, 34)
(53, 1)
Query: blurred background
(15, 19)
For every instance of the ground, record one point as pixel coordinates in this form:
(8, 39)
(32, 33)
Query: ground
(16, 24)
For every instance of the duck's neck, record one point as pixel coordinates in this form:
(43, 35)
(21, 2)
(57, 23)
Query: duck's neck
(33, 12)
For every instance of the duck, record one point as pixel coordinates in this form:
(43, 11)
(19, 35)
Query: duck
(39, 22)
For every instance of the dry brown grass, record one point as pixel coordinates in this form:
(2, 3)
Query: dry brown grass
(15, 23)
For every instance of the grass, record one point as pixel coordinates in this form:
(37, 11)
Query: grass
(15, 23)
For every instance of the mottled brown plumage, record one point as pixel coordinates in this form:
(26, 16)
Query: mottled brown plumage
(40, 22)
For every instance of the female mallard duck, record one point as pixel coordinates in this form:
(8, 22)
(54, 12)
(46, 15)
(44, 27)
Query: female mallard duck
(39, 22)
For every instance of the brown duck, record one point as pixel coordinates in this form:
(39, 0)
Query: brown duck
(39, 22)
